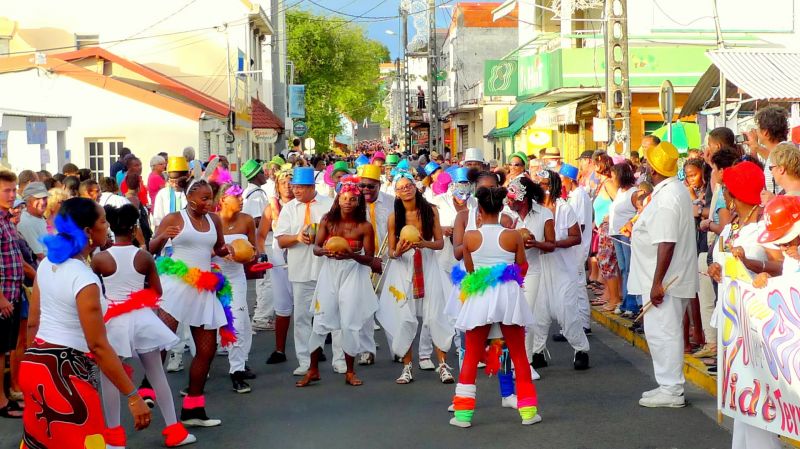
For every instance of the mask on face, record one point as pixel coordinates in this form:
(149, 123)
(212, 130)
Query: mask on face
(552, 164)
(461, 191)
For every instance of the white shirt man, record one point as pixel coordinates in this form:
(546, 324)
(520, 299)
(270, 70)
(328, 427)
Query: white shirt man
(303, 269)
(582, 205)
(668, 219)
(255, 200)
(168, 200)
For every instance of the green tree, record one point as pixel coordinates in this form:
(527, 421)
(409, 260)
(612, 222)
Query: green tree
(339, 66)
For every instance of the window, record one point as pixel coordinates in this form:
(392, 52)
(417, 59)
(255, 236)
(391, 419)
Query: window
(86, 40)
(650, 127)
(101, 154)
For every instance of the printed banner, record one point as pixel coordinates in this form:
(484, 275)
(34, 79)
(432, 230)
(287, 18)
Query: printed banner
(297, 101)
(759, 357)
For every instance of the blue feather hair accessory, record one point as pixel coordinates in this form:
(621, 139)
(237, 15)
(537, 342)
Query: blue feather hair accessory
(69, 241)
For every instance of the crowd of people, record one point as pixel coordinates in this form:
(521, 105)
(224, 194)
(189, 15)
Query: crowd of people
(458, 253)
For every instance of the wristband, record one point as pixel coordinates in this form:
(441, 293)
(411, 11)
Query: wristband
(132, 393)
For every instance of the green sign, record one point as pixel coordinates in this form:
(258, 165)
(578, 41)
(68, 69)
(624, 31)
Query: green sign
(585, 68)
(500, 78)
(299, 128)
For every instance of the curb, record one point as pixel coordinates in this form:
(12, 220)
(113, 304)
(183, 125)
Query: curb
(694, 369)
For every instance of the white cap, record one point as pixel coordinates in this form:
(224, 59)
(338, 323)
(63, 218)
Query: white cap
(473, 154)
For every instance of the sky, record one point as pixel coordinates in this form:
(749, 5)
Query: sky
(377, 28)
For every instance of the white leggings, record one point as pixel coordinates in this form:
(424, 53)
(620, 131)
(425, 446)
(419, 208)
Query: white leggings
(154, 370)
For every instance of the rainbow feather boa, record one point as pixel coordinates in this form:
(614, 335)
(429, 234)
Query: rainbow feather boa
(477, 282)
(212, 281)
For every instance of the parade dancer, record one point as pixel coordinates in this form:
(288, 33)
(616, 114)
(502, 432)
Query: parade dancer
(491, 294)
(171, 198)
(524, 199)
(237, 225)
(401, 301)
(379, 206)
(295, 232)
(133, 329)
(344, 300)
(559, 282)
(193, 294)
(62, 405)
(266, 243)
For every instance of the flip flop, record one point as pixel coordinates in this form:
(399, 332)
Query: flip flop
(10, 407)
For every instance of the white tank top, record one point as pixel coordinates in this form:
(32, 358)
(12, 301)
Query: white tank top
(195, 247)
(491, 253)
(230, 269)
(126, 279)
(472, 218)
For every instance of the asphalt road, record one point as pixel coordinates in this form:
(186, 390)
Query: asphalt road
(590, 409)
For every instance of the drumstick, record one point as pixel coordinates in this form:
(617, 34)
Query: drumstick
(649, 305)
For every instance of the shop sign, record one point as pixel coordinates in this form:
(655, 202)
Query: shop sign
(265, 135)
(500, 78)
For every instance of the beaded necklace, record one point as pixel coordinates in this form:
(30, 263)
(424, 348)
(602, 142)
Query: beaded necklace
(727, 245)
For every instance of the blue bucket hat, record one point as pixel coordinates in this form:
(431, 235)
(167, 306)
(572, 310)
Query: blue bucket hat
(569, 171)
(303, 176)
(431, 168)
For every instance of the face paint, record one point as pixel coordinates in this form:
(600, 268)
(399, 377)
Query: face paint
(461, 191)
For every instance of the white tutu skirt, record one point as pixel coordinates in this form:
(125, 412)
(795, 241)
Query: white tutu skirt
(139, 332)
(504, 304)
(189, 305)
(398, 310)
(343, 300)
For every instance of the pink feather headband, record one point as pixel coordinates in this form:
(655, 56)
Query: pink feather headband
(234, 190)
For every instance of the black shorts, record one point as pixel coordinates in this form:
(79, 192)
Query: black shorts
(9, 329)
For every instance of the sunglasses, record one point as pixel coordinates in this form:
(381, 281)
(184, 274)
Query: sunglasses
(405, 188)
(367, 186)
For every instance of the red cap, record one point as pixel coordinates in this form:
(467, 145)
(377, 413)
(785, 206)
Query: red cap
(744, 181)
(782, 220)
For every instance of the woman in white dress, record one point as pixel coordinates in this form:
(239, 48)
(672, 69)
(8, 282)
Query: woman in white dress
(237, 226)
(491, 295)
(132, 288)
(742, 186)
(524, 200)
(414, 285)
(191, 293)
(558, 296)
(343, 300)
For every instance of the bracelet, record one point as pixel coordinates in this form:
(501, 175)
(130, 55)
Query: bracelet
(132, 393)
(763, 266)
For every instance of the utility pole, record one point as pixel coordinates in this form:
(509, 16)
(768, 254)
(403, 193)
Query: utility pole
(618, 89)
(723, 83)
(433, 97)
(404, 77)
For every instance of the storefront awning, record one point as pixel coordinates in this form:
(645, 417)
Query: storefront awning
(519, 116)
(264, 118)
(558, 114)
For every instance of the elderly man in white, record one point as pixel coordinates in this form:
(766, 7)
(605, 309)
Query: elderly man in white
(664, 269)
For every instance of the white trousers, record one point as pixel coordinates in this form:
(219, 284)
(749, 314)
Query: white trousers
(561, 305)
(265, 305)
(281, 291)
(746, 436)
(583, 299)
(531, 288)
(707, 298)
(303, 293)
(366, 336)
(239, 352)
(663, 327)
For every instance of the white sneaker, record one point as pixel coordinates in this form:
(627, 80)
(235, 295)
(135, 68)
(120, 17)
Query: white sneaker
(651, 393)
(457, 423)
(509, 402)
(534, 420)
(175, 362)
(300, 371)
(188, 440)
(340, 367)
(451, 408)
(222, 351)
(534, 374)
(661, 399)
(481, 365)
(426, 365)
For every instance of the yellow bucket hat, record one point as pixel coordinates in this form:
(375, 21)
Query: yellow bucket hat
(663, 158)
(177, 163)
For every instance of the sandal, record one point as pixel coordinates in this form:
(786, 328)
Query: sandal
(609, 307)
(352, 380)
(307, 379)
(405, 376)
(11, 407)
(599, 302)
